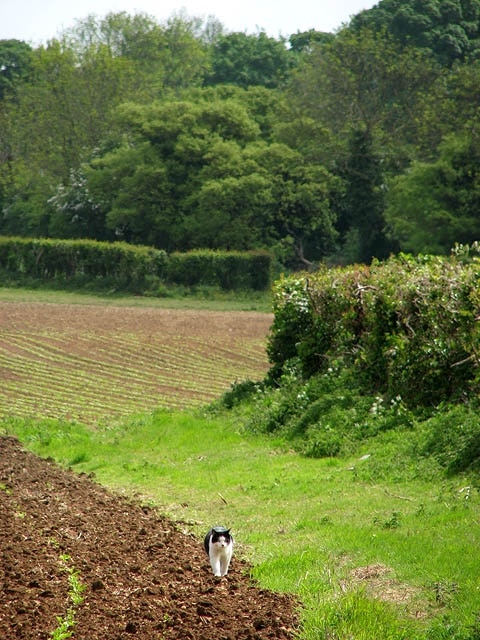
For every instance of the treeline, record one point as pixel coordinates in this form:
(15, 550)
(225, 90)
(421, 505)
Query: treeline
(319, 147)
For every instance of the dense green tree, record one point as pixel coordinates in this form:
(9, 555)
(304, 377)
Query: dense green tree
(436, 204)
(363, 80)
(452, 105)
(249, 60)
(53, 120)
(353, 107)
(164, 56)
(15, 64)
(146, 184)
(363, 204)
(74, 213)
(448, 28)
(197, 173)
(182, 135)
(306, 41)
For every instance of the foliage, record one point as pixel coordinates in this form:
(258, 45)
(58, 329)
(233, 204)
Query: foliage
(454, 439)
(197, 173)
(118, 264)
(66, 624)
(449, 29)
(181, 135)
(227, 270)
(363, 201)
(449, 107)
(248, 60)
(436, 204)
(132, 268)
(15, 64)
(393, 324)
(363, 82)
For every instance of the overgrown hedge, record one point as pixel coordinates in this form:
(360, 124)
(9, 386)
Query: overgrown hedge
(228, 270)
(406, 327)
(130, 267)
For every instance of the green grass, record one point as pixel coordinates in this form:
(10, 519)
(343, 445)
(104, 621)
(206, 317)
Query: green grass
(388, 559)
(175, 298)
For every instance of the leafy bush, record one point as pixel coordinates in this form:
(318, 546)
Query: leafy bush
(405, 327)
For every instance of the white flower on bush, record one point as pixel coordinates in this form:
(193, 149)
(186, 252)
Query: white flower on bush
(377, 407)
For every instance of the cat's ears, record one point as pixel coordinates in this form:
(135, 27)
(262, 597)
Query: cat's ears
(220, 530)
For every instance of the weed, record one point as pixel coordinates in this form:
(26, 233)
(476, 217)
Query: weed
(391, 523)
(66, 623)
(444, 591)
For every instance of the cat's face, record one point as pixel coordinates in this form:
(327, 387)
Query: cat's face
(221, 539)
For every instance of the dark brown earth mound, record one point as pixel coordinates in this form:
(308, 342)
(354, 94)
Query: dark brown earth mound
(144, 579)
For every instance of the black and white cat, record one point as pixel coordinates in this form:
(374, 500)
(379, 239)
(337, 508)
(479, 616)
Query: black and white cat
(219, 547)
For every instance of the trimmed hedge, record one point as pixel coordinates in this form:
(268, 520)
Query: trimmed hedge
(130, 267)
(124, 266)
(406, 327)
(228, 270)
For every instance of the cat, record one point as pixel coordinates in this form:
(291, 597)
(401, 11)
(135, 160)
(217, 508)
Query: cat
(218, 544)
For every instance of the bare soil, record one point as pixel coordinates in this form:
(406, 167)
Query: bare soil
(143, 577)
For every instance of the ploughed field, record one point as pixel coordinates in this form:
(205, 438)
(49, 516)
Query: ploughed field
(95, 363)
(141, 578)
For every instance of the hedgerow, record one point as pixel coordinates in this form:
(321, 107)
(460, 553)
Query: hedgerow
(122, 266)
(79, 262)
(228, 270)
(408, 326)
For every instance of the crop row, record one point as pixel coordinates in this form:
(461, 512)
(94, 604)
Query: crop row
(93, 377)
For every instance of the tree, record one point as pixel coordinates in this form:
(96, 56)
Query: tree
(15, 64)
(301, 216)
(363, 80)
(452, 105)
(164, 56)
(74, 213)
(198, 173)
(148, 183)
(249, 60)
(303, 42)
(434, 205)
(353, 105)
(450, 29)
(363, 203)
(52, 122)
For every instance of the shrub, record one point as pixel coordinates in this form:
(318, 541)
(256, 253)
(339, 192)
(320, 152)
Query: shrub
(405, 327)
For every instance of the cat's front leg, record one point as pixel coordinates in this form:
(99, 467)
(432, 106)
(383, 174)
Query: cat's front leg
(216, 568)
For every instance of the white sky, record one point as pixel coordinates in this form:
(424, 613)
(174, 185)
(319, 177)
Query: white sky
(36, 21)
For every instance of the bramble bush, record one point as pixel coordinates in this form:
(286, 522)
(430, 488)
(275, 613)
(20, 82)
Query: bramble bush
(407, 327)
(387, 353)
